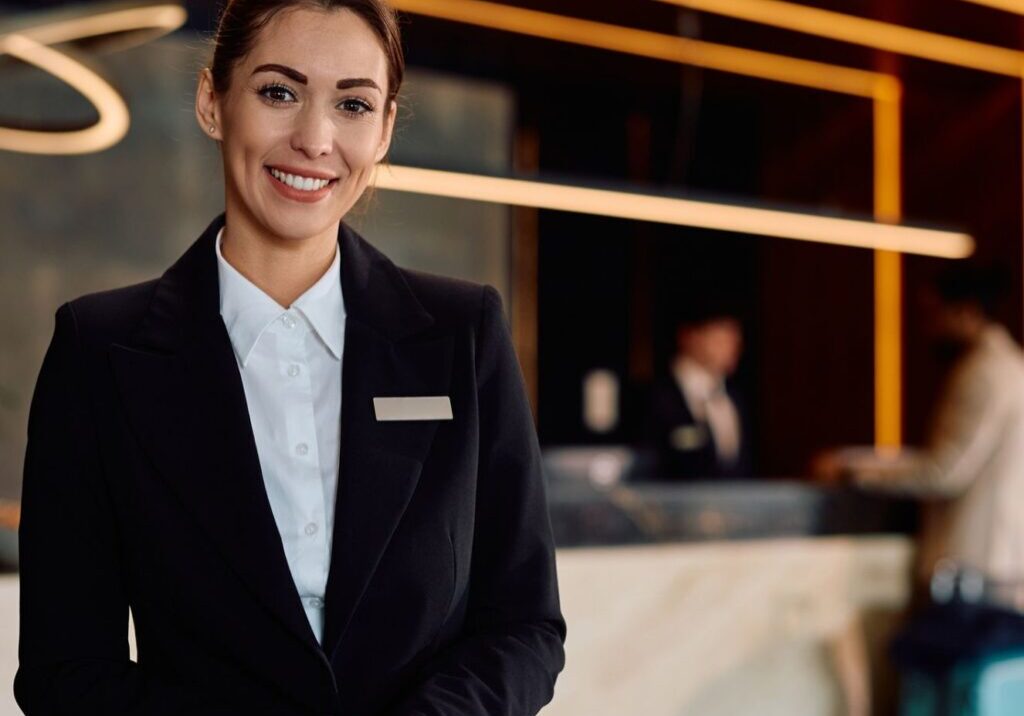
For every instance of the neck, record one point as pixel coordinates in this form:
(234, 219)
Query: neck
(283, 268)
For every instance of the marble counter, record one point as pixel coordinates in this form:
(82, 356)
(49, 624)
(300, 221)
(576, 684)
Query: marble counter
(710, 598)
(724, 628)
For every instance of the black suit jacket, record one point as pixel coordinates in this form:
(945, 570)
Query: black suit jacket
(678, 446)
(142, 488)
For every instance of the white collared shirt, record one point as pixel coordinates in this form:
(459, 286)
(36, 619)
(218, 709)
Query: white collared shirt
(290, 363)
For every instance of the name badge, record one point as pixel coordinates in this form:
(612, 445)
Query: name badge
(688, 437)
(414, 407)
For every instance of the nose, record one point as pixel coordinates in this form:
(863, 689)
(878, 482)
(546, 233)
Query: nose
(314, 132)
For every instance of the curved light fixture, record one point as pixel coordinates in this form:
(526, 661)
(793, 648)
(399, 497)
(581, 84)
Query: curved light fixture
(113, 120)
(32, 45)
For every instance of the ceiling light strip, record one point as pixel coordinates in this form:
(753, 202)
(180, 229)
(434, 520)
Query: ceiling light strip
(682, 212)
(866, 32)
(644, 43)
(1014, 6)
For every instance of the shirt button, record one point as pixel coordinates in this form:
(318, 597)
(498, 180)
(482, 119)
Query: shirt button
(288, 321)
(311, 528)
(302, 448)
(293, 370)
(316, 602)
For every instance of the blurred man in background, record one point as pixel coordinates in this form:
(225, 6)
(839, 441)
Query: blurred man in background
(970, 477)
(694, 419)
(971, 471)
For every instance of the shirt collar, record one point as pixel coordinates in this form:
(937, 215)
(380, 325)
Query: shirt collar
(695, 379)
(322, 304)
(248, 311)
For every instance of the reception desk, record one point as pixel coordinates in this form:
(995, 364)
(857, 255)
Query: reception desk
(695, 598)
(705, 598)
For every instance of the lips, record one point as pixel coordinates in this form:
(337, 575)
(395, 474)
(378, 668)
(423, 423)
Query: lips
(300, 172)
(298, 194)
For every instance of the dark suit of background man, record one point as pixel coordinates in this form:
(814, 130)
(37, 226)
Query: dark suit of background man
(143, 488)
(694, 420)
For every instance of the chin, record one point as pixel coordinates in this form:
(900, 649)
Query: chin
(295, 230)
(300, 223)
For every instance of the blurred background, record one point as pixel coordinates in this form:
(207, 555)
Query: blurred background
(739, 205)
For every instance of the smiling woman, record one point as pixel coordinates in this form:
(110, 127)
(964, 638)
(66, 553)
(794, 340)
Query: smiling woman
(297, 95)
(311, 475)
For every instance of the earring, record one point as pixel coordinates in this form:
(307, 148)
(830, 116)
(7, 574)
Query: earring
(212, 128)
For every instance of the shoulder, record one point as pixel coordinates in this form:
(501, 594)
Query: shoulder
(109, 316)
(454, 302)
(471, 309)
(995, 359)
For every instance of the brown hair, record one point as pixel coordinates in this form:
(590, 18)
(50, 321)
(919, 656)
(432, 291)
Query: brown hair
(242, 20)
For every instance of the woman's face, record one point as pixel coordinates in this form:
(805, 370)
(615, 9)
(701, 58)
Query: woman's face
(308, 100)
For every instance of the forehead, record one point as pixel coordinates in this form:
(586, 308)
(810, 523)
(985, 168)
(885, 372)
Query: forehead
(324, 45)
(724, 324)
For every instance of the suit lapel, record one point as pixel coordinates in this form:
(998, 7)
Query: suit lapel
(388, 352)
(184, 397)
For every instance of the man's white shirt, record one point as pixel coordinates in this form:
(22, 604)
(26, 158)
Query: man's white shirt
(290, 363)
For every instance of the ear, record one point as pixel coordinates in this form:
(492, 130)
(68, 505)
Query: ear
(207, 105)
(389, 128)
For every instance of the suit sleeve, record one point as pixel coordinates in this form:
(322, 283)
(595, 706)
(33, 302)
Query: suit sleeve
(511, 650)
(73, 641)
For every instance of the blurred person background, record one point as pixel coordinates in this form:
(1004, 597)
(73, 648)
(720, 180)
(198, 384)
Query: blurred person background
(695, 421)
(968, 592)
(970, 470)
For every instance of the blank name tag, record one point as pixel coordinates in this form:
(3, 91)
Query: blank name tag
(418, 407)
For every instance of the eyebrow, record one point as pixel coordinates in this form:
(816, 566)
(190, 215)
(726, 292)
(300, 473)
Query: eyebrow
(301, 78)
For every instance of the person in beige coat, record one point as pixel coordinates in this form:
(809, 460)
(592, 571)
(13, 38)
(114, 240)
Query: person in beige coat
(969, 473)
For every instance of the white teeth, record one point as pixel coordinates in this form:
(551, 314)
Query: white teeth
(300, 183)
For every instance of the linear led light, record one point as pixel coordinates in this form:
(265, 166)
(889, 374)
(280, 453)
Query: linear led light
(866, 32)
(31, 44)
(1016, 6)
(683, 212)
(655, 45)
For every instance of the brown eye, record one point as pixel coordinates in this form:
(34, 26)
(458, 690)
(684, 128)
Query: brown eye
(277, 94)
(356, 106)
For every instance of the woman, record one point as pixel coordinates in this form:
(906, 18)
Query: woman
(312, 475)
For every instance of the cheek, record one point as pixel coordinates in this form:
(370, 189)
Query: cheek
(359, 146)
(250, 138)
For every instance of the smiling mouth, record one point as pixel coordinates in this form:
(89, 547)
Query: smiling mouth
(299, 183)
